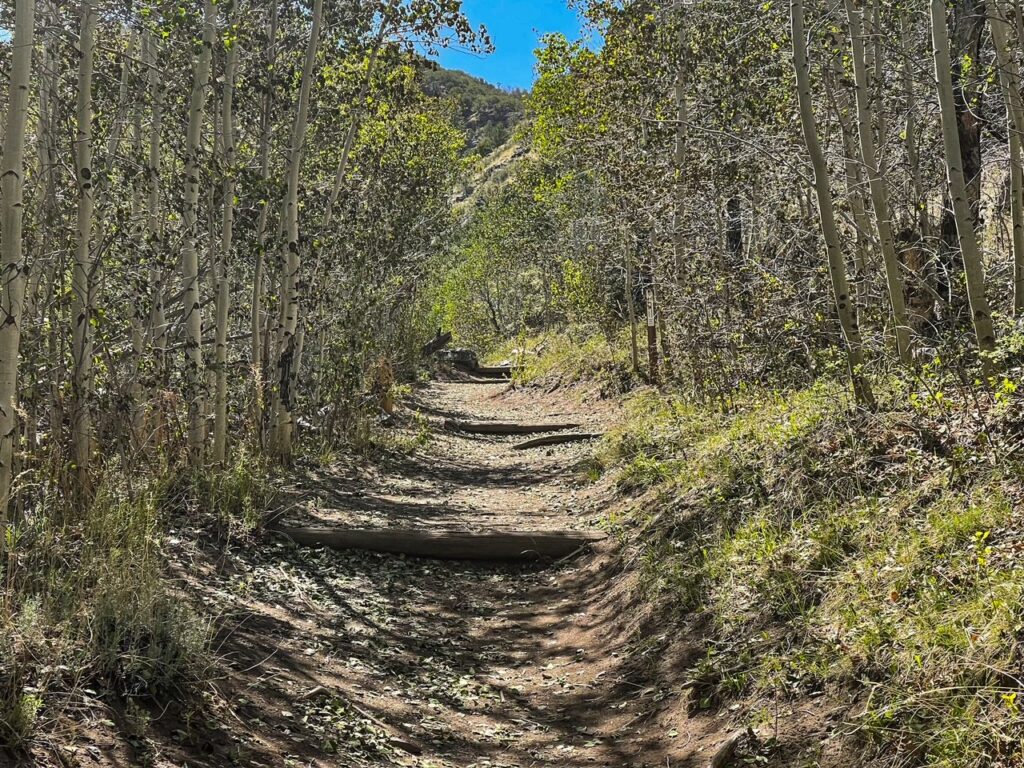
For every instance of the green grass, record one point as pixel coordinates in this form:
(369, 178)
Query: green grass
(872, 557)
(90, 602)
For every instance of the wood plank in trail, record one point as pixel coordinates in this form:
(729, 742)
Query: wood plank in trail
(449, 545)
(574, 437)
(489, 371)
(504, 428)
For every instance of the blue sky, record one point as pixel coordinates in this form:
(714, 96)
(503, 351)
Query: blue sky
(515, 27)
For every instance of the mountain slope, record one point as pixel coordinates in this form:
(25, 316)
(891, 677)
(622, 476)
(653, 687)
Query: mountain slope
(487, 113)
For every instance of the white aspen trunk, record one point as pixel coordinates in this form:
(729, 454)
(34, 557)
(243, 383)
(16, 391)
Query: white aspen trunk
(853, 166)
(878, 108)
(50, 312)
(1010, 80)
(12, 261)
(256, 314)
(138, 309)
(220, 423)
(634, 345)
(353, 129)
(679, 156)
(913, 156)
(154, 230)
(190, 255)
(822, 188)
(879, 197)
(121, 110)
(973, 268)
(291, 287)
(81, 281)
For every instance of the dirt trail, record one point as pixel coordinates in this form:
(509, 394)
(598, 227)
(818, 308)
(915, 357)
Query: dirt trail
(356, 659)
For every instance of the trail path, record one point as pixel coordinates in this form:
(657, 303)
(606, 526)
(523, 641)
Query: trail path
(357, 659)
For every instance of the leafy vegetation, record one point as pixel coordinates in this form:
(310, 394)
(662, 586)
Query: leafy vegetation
(486, 113)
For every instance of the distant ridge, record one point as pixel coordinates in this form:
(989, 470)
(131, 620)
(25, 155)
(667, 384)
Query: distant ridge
(486, 112)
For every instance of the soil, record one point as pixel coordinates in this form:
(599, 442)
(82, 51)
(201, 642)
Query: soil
(356, 659)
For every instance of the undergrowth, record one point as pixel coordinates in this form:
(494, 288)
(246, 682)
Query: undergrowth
(869, 557)
(572, 356)
(89, 609)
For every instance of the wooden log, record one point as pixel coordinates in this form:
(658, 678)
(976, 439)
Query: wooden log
(503, 371)
(573, 437)
(449, 545)
(436, 344)
(500, 428)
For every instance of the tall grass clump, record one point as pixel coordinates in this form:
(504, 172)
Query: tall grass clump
(90, 603)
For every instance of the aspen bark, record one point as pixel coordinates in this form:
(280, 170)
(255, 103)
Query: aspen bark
(256, 314)
(920, 200)
(853, 166)
(220, 422)
(353, 129)
(963, 215)
(291, 286)
(81, 281)
(12, 261)
(1010, 80)
(826, 211)
(190, 256)
(679, 156)
(879, 197)
(154, 231)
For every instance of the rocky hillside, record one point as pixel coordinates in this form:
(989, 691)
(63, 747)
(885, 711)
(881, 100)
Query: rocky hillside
(487, 113)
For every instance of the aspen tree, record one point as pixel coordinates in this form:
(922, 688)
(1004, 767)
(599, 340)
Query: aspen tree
(291, 286)
(190, 256)
(220, 424)
(973, 269)
(353, 128)
(826, 211)
(256, 314)
(82, 275)
(49, 168)
(879, 198)
(12, 262)
(157, 332)
(1010, 80)
(679, 154)
(853, 166)
(920, 201)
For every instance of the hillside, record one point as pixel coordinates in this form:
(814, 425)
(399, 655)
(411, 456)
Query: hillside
(487, 113)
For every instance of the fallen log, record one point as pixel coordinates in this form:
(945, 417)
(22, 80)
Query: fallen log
(503, 371)
(574, 437)
(449, 545)
(500, 428)
(436, 344)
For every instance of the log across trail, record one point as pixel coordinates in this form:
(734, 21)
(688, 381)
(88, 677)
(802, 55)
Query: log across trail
(572, 437)
(504, 428)
(449, 545)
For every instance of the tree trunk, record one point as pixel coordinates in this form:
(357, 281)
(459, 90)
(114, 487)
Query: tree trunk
(823, 190)
(193, 321)
(1010, 80)
(973, 268)
(968, 23)
(879, 197)
(12, 261)
(256, 319)
(220, 421)
(154, 239)
(81, 281)
(919, 198)
(291, 286)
